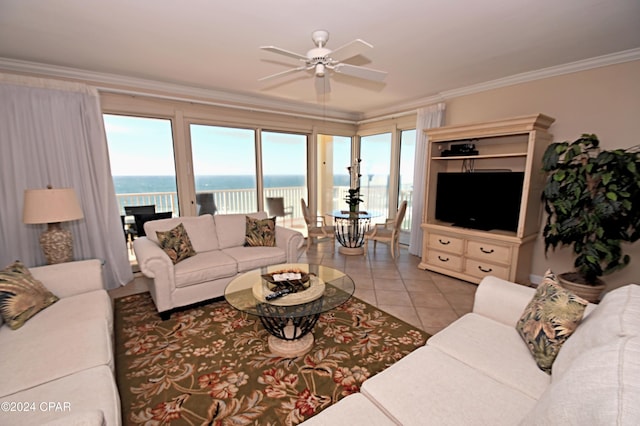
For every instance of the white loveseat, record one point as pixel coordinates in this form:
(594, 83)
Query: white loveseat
(478, 371)
(59, 366)
(219, 243)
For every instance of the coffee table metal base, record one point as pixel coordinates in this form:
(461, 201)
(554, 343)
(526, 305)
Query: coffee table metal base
(290, 334)
(290, 348)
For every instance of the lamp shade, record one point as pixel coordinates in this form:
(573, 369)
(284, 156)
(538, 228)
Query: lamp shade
(51, 205)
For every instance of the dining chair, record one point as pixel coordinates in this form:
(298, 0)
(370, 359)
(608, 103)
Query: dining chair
(317, 227)
(275, 207)
(387, 232)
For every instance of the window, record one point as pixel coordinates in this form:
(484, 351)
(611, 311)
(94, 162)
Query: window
(405, 181)
(375, 168)
(142, 162)
(224, 169)
(334, 156)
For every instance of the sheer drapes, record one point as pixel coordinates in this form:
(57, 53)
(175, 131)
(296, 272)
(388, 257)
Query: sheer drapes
(428, 117)
(52, 133)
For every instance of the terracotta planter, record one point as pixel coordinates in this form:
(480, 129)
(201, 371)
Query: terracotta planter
(588, 292)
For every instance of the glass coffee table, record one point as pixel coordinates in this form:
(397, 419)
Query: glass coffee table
(289, 318)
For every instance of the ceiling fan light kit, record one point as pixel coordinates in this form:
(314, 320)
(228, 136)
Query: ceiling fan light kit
(320, 59)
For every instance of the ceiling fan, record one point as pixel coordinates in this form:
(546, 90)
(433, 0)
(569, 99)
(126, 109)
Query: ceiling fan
(320, 59)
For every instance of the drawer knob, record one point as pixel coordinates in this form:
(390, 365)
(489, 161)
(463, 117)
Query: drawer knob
(486, 251)
(443, 259)
(444, 243)
(485, 270)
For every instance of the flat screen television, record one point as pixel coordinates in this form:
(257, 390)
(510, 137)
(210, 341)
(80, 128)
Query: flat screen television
(482, 200)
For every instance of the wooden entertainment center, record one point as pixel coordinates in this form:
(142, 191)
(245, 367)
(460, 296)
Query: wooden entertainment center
(515, 144)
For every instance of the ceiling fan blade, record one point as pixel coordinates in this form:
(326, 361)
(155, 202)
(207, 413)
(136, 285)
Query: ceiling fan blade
(284, 52)
(349, 50)
(323, 85)
(360, 72)
(280, 74)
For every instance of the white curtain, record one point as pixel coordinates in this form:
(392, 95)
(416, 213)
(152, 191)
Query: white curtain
(428, 117)
(52, 133)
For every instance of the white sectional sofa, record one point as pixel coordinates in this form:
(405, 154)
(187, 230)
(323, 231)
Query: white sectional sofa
(478, 371)
(219, 243)
(59, 366)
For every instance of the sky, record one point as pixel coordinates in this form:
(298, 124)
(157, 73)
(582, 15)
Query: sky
(143, 147)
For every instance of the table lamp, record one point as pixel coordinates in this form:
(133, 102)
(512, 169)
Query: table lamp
(53, 206)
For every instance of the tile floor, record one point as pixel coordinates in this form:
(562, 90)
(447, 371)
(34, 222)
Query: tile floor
(427, 300)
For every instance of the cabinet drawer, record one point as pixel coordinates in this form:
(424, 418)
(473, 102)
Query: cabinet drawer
(444, 260)
(488, 251)
(446, 243)
(482, 269)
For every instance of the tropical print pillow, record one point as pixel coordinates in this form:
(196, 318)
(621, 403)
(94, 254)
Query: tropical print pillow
(549, 319)
(260, 232)
(176, 243)
(21, 295)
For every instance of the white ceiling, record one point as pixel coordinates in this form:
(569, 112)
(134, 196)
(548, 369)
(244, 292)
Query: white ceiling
(428, 47)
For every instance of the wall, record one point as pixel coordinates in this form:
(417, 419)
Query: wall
(604, 101)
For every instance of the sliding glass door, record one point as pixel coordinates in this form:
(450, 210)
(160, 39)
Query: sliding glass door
(284, 175)
(224, 169)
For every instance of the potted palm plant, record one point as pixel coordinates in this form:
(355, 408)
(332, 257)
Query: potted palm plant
(592, 198)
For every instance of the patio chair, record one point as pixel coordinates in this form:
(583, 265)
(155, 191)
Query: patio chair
(275, 207)
(206, 203)
(141, 219)
(317, 227)
(387, 232)
(132, 229)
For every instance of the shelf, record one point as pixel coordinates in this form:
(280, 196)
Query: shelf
(476, 157)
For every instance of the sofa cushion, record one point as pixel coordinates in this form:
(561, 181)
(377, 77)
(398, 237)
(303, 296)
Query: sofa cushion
(600, 388)
(616, 315)
(430, 387)
(494, 348)
(549, 319)
(260, 232)
(57, 353)
(201, 230)
(89, 390)
(231, 228)
(206, 266)
(21, 295)
(355, 409)
(176, 243)
(249, 258)
(85, 307)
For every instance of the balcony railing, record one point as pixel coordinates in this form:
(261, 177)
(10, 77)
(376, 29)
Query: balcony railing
(244, 200)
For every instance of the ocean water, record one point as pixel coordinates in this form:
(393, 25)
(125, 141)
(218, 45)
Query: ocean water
(144, 184)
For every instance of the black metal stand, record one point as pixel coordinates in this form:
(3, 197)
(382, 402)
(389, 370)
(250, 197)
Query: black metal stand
(350, 231)
(297, 320)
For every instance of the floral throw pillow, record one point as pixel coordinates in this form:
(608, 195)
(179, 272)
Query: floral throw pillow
(549, 319)
(21, 295)
(176, 243)
(260, 232)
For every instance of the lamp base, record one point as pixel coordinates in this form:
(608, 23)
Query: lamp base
(57, 244)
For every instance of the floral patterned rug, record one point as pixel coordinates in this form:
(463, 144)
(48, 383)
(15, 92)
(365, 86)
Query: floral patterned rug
(211, 364)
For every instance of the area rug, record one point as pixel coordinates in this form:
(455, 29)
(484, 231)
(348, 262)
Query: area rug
(211, 364)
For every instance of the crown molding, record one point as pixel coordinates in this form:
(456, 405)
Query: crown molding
(572, 67)
(116, 83)
(133, 85)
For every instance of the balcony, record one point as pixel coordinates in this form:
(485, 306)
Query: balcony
(245, 200)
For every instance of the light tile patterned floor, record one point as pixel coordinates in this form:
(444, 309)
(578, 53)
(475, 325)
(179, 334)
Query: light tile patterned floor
(424, 299)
